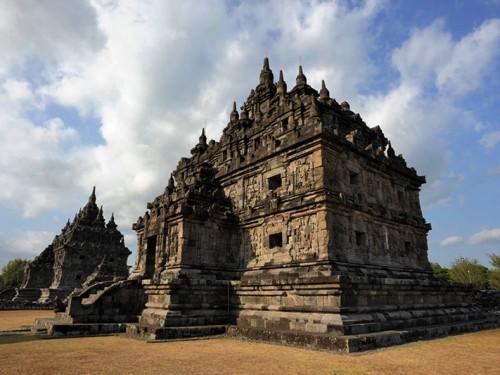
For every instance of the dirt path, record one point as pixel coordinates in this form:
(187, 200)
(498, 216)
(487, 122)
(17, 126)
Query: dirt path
(477, 353)
(16, 319)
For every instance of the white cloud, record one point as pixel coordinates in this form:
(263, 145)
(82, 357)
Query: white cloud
(416, 121)
(33, 167)
(490, 140)
(485, 236)
(32, 242)
(154, 73)
(24, 245)
(451, 241)
(50, 32)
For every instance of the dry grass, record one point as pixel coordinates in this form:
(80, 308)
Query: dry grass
(477, 353)
(17, 319)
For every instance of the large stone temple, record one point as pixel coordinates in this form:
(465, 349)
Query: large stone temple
(87, 251)
(300, 226)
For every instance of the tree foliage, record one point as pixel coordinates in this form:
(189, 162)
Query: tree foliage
(495, 260)
(12, 273)
(494, 274)
(469, 271)
(440, 271)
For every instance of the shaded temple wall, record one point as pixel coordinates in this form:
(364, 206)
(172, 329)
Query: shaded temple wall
(374, 213)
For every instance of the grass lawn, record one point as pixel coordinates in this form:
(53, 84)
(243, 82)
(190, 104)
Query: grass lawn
(17, 319)
(476, 353)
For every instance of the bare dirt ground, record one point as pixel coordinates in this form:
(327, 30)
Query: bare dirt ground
(18, 319)
(476, 353)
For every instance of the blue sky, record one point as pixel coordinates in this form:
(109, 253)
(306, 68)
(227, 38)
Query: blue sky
(113, 93)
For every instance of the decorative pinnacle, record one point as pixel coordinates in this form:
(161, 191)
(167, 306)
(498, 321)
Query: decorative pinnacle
(266, 63)
(92, 198)
(281, 85)
(100, 217)
(234, 116)
(203, 138)
(324, 94)
(171, 183)
(111, 223)
(266, 74)
(390, 151)
(301, 78)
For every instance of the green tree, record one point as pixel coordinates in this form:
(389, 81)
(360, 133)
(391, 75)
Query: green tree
(12, 273)
(469, 271)
(440, 272)
(495, 260)
(494, 274)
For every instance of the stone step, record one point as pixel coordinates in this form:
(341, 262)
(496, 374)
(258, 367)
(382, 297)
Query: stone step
(361, 342)
(54, 328)
(408, 323)
(185, 321)
(151, 333)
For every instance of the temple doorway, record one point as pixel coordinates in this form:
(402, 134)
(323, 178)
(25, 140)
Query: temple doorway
(150, 257)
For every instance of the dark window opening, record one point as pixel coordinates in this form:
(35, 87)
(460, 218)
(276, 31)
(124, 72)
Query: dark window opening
(78, 277)
(274, 182)
(82, 257)
(275, 240)
(150, 256)
(360, 238)
(277, 143)
(111, 260)
(354, 178)
(284, 124)
(360, 198)
(407, 245)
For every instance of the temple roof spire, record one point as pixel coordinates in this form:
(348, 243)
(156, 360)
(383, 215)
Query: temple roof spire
(281, 85)
(266, 74)
(301, 79)
(92, 198)
(324, 94)
(234, 116)
(203, 139)
(171, 184)
(100, 218)
(111, 223)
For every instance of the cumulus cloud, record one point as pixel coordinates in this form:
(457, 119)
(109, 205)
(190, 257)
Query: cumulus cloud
(33, 167)
(154, 74)
(485, 236)
(25, 245)
(151, 74)
(435, 71)
(451, 241)
(54, 31)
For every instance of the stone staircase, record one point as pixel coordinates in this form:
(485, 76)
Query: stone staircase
(181, 325)
(95, 294)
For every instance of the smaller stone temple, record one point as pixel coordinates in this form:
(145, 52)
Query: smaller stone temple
(87, 251)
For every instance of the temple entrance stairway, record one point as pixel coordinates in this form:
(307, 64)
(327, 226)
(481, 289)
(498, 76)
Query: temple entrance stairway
(103, 308)
(184, 309)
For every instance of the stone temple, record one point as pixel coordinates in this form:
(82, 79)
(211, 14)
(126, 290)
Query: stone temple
(87, 251)
(300, 226)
